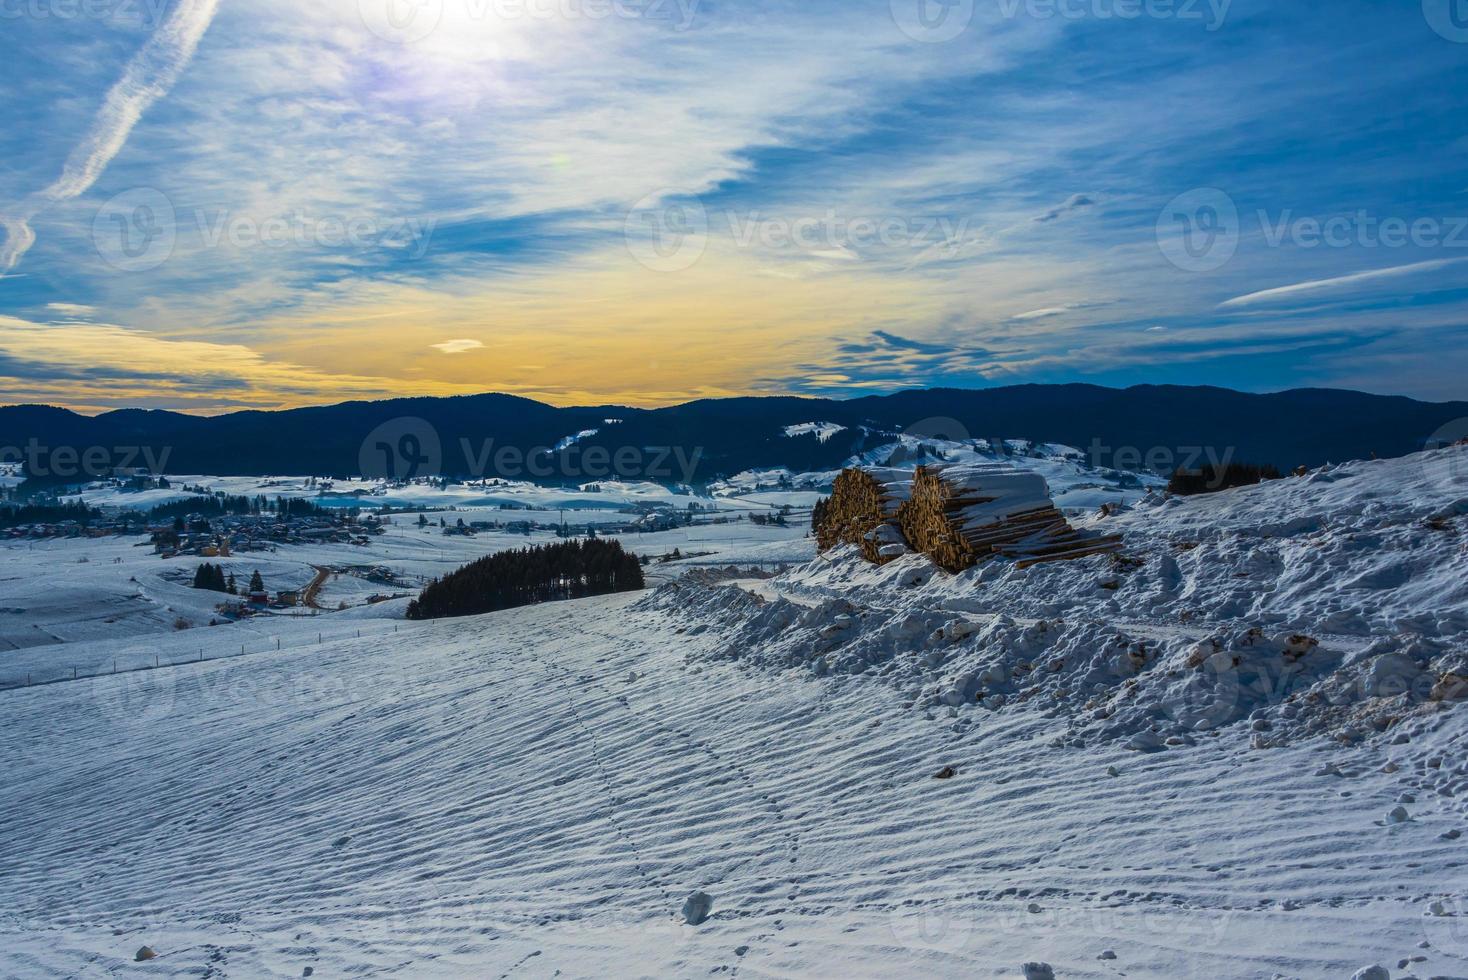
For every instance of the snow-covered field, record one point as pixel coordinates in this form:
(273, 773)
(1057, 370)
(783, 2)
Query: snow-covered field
(1238, 751)
(58, 593)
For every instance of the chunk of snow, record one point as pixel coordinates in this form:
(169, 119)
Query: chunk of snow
(696, 910)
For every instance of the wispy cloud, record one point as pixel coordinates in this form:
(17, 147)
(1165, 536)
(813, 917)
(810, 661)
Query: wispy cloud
(457, 346)
(1076, 202)
(1054, 311)
(1338, 284)
(148, 77)
(131, 364)
(523, 143)
(71, 309)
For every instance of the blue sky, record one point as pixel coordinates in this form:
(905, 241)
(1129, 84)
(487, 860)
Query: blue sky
(213, 204)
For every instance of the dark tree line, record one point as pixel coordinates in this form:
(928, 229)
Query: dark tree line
(222, 505)
(564, 570)
(16, 515)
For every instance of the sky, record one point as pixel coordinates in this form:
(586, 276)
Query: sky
(208, 205)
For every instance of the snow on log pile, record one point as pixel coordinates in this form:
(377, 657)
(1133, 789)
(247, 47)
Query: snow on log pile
(862, 511)
(963, 515)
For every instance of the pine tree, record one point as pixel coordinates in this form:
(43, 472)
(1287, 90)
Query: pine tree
(210, 577)
(257, 584)
(566, 570)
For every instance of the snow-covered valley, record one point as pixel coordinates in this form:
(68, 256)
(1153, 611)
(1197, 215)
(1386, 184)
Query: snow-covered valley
(1237, 750)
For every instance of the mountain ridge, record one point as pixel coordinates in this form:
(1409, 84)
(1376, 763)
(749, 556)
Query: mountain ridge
(1128, 427)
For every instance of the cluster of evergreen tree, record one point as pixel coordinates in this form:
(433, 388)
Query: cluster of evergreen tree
(212, 577)
(1212, 478)
(222, 505)
(49, 512)
(564, 570)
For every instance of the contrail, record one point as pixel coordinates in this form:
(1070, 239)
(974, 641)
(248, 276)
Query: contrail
(147, 78)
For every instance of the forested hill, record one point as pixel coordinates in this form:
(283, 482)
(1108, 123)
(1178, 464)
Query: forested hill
(463, 436)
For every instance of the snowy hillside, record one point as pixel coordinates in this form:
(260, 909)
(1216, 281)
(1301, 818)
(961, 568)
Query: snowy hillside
(1236, 751)
(1077, 485)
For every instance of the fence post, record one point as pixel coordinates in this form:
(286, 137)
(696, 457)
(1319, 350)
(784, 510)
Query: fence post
(73, 673)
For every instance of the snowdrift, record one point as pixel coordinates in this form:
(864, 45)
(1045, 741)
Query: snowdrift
(1335, 604)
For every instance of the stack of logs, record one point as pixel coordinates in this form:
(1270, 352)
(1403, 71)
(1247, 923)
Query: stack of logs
(963, 515)
(863, 511)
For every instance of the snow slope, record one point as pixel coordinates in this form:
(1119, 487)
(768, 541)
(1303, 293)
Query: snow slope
(1157, 768)
(538, 792)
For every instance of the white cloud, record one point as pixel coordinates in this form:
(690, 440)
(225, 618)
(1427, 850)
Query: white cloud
(1337, 284)
(457, 346)
(147, 78)
(71, 309)
(1042, 314)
